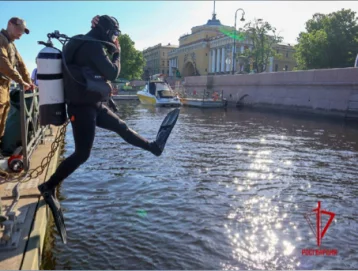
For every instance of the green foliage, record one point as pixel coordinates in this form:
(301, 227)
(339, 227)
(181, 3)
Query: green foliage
(228, 31)
(330, 41)
(132, 60)
(177, 74)
(263, 37)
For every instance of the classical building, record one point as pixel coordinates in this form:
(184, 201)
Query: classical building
(201, 52)
(207, 50)
(157, 60)
(287, 61)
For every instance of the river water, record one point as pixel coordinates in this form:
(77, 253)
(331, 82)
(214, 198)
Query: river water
(229, 192)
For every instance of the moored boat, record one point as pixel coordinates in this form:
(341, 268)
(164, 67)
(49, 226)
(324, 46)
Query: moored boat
(157, 92)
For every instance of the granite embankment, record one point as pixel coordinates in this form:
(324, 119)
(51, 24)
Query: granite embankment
(327, 91)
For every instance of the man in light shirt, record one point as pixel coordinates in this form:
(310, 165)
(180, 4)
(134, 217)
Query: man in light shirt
(34, 77)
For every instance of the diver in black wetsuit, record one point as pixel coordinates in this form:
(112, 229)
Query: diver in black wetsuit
(85, 113)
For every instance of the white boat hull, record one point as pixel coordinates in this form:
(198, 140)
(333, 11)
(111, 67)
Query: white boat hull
(207, 103)
(146, 98)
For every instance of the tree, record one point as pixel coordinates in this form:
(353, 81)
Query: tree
(263, 37)
(330, 41)
(132, 60)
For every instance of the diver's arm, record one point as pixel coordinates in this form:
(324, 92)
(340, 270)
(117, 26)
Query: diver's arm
(116, 58)
(109, 69)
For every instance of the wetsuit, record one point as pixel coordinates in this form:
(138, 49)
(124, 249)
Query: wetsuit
(86, 112)
(86, 116)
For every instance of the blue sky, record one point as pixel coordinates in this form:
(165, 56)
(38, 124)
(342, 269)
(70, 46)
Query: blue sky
(151, 22)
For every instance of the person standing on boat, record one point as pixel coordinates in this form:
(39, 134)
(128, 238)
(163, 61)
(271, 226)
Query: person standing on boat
(85, 113)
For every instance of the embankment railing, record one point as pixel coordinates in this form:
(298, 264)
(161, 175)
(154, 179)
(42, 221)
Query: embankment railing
(32, 133)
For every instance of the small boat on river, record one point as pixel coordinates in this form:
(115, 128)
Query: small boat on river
(159, 93)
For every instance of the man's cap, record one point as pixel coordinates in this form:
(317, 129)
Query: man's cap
(108, 22)
(20, 23)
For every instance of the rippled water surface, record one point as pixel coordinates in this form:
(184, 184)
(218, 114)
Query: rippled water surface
(229, 192)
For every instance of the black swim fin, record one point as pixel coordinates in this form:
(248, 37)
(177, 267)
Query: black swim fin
(55, 207)
(165, 129)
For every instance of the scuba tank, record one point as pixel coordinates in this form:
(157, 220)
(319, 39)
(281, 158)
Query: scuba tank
(50, 84)
(50, 79)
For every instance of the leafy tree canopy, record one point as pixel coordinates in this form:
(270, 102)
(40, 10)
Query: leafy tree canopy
(330, 41)
(263, 37)
(132, 60)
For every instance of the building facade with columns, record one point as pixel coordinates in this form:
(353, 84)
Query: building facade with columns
(194, 54)
(157, 60)
(208, 51)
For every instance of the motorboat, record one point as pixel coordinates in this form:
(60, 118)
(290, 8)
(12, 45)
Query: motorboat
(159, 93)
(215, 101)
(207, 103)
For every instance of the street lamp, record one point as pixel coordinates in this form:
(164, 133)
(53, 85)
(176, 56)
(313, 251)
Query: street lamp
(242, 20)
(228, 62)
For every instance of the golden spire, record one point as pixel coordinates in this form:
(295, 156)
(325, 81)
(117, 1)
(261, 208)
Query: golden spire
(214, 14)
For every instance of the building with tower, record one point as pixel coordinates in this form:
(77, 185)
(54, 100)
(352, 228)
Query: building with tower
(207, 50)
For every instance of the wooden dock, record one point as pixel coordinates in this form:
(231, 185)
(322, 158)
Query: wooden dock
(24, 250)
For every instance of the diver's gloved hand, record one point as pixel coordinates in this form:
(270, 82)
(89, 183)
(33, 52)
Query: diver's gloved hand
(114, 50)
(118, 46)
(94, 21)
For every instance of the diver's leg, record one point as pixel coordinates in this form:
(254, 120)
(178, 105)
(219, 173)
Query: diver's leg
(83, 121)
(106, 119)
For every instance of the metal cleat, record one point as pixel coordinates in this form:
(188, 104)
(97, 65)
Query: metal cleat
(10, 234)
